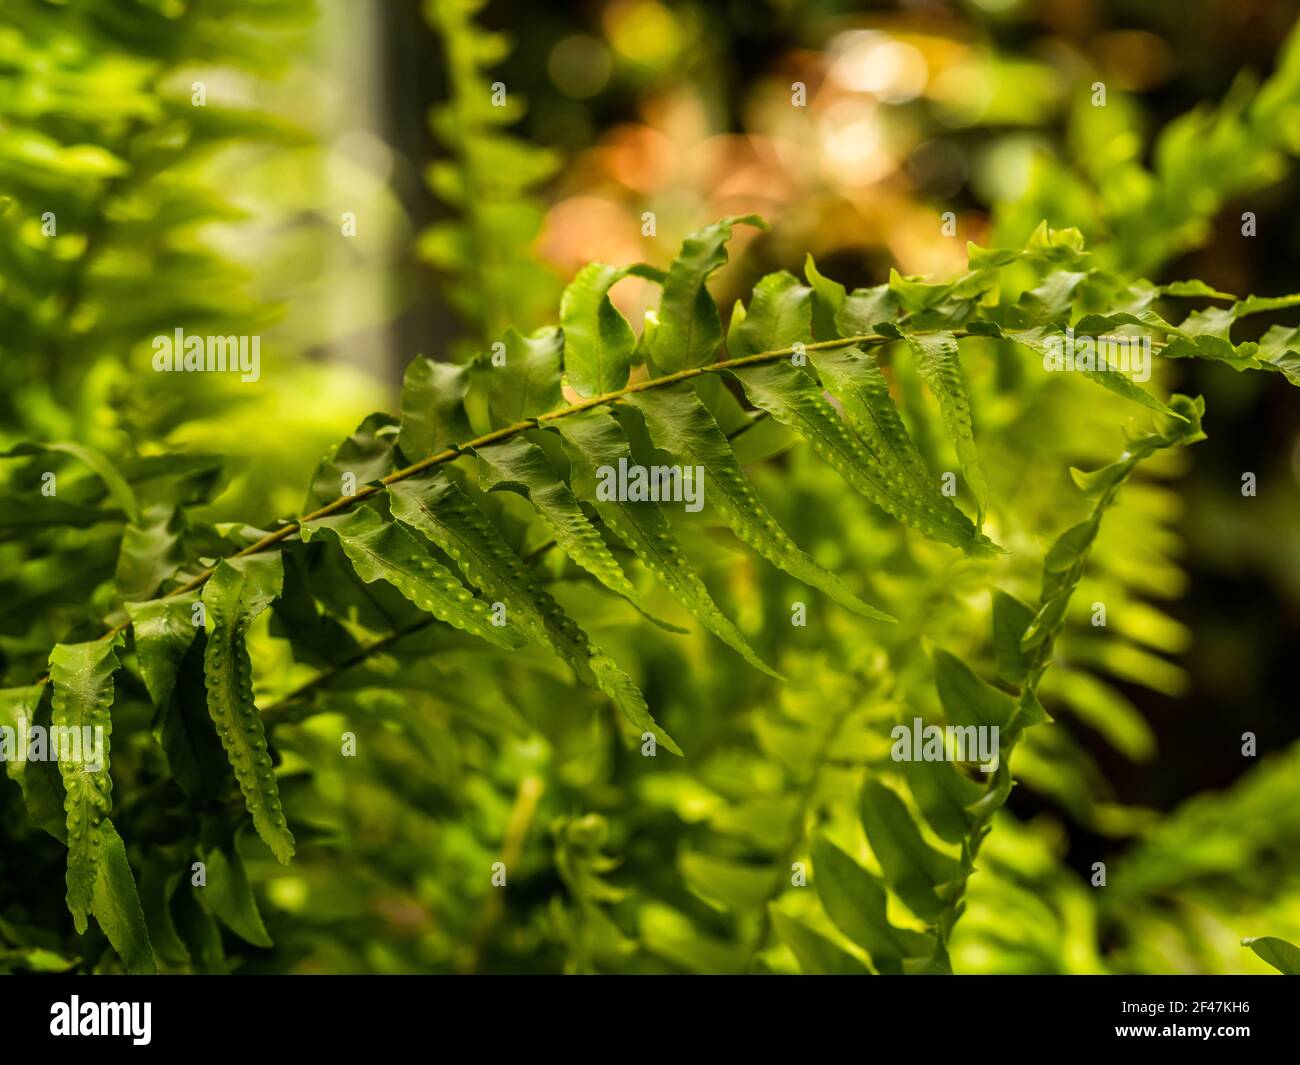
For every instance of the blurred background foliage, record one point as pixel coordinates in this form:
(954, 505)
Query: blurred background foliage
(628, 124)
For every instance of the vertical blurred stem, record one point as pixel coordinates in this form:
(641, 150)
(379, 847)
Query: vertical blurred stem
(520, 821)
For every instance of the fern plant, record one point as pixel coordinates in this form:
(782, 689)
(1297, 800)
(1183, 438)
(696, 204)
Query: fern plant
(492, 278)
(426, 517)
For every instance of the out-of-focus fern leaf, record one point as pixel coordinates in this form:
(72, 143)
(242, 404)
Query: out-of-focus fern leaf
(855, 901)
(1283, 956)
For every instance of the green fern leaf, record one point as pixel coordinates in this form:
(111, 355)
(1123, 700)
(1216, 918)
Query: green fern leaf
(1283, 956)
(594, 439)
(363, 458)
(162, 631)
(690, 329)
(944, 796)
(682, 426)
(939, 364)
(433, 411)
(966, 699)
(116, 904)
(529, 382)
(117, 486)
(228, 895)
(793, 398)
(1043, 341)
(443, 512)
(854, 378)
(914, 870)
(384, 550)
(43, 793)
(238, 591)
(864, 309)
(828, 298)
(598, 341)
(82, 676)
(816, 954)
(855, 902)
(1064, 562)
(521, 466)
(778, 316)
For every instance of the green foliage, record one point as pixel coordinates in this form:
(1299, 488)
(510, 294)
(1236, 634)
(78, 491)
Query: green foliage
(489, 484)
(487, 180)
(1153, 202)
(238, 591)
(81, 676)
(1283, 956)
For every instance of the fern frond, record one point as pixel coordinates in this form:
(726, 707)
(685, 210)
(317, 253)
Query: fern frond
(239, 590)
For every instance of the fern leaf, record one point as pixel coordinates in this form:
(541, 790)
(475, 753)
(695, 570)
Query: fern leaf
(384, 550)
(792, 397)
(939, 364)
(828, 297)
(1043, 342)
(228, 895)
(116, 904)
(854, 378)
(966, 699)
(43, 793)
(529, 382)
(238, 591)
(855, 902)
(162, 631)
(443, 512)
(1064, 562)
(690, 329)
(598, 341)
(363, 458)
(944, 796)
(521, 466)
(816, 954)
(778, 316)
(613, 680)
(594, 439)
(916, 871)
(82, 676)
(681, 425)
(1283, 956)
(117, 486)
(433, 412)
(151, 551)
(864, 309)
